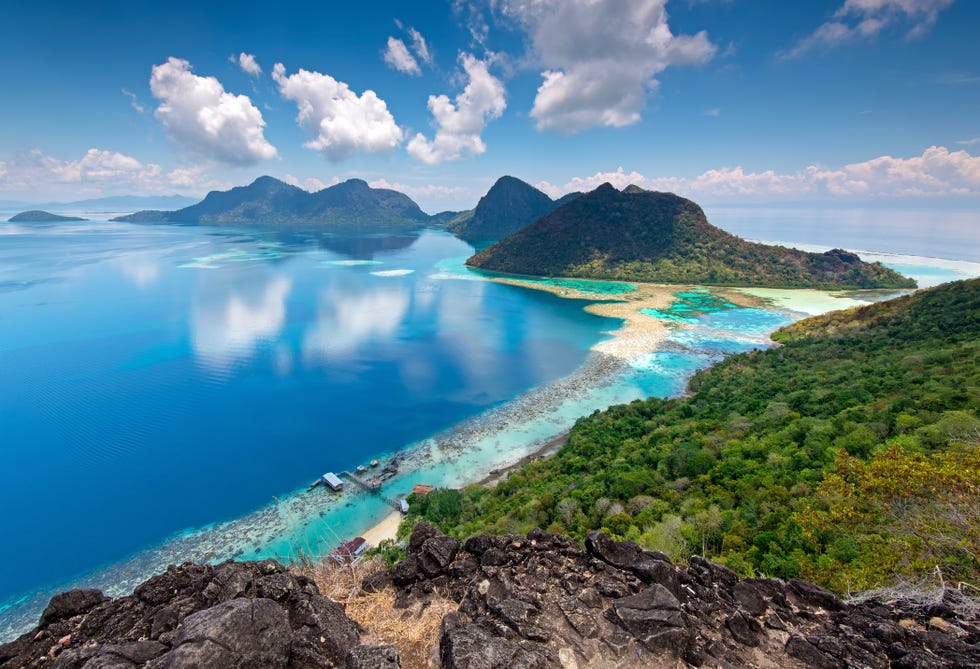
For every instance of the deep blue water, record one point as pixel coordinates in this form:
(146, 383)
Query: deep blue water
(157, 381)
(159, 378)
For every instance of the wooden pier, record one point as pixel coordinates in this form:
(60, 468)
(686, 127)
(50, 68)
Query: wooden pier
(374, 487)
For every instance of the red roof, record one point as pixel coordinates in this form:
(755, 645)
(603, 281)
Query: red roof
(421, 489)
(351, 548)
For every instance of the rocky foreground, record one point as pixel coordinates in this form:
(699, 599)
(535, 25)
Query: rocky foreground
(534, 601)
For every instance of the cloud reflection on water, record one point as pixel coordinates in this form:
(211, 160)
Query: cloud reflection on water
(229, 321)
(346, 319)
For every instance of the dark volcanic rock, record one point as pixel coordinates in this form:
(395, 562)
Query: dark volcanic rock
(542, 601)
(70, 604)
(236, 614)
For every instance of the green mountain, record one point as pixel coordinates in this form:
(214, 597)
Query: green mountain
(508, 206)
(38, 216)
(848, 456)
(269, 201)
(640, 235)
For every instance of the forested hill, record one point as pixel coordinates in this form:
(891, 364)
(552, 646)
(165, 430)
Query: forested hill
(639, 235)
(508, 206)
(849, 456)
(268, 201)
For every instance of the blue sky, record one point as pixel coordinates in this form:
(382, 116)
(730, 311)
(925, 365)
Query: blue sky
(734, 102)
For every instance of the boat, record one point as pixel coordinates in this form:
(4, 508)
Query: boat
(374, 463)
(361, 469)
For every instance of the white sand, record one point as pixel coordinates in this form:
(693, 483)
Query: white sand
(386, 529)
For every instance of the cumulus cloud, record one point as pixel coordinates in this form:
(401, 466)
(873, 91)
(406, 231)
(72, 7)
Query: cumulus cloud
(205, 120)
(99, 170)
(938, 172)
(857, 19)
(398, 57)
(338, 120)
(600, 58)
(249, 66)
(459, 123)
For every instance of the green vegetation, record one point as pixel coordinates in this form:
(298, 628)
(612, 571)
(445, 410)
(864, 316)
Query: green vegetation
(638, 235)
(38, 216)
(508, 206)
(848, 455)
(268, 201)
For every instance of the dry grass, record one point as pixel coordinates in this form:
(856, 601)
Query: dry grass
(413, 631)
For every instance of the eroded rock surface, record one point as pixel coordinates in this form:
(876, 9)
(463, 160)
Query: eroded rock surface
(537, 602)
(542, 601)
(233, 615)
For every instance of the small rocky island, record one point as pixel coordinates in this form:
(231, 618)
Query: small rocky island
(38, 216)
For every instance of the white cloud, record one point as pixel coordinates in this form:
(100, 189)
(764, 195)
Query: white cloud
(133, 101)
(208, 122)
(420, 46)
(459, 123)
(339, 121)
(417, 191)
(398, 57)
(600, 58)
(716, 112)
(938, 172)
(857, 19)
(311, 184)
(247, 62)
(969, 142)
(97, 172)
(98, 165)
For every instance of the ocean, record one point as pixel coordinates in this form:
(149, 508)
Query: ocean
(168, 393)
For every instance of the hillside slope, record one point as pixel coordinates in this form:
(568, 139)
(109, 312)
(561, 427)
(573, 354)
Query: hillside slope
(508, 206)
(848, 456)
(272, 202)
(639, 235)
(38, 216)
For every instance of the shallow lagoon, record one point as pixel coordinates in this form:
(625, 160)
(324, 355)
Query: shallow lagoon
(168, 393)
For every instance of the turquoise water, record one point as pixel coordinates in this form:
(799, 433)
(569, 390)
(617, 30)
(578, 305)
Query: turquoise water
(586, 285)
(688, 306)
(168, 393)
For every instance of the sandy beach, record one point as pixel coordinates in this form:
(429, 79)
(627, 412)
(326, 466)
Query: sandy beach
(386, 529)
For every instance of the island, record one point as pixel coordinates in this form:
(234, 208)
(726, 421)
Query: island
(508, 206)
(647, 236)
(269, 201)
(38, 216)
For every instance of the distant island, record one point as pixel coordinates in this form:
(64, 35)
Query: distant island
(640, 235)
(506, 208)
(268, 201)
(38, 216)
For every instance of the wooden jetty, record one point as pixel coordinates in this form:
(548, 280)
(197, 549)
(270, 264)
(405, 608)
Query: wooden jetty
(374, 486)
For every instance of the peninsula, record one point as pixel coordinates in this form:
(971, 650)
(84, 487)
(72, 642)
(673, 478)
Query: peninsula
(639, 235)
